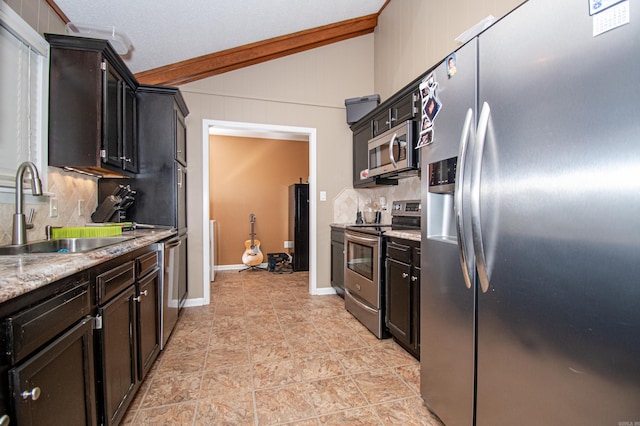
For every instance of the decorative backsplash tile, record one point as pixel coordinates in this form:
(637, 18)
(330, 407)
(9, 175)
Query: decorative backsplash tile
(345, 204)
(68, 188)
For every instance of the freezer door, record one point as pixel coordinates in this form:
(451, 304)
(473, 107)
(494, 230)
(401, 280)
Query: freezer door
(446, 303)
(559, 202)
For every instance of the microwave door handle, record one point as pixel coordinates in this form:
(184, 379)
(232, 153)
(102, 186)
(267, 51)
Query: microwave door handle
(393, 160)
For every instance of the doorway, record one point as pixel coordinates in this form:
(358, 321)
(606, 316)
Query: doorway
(254, 130)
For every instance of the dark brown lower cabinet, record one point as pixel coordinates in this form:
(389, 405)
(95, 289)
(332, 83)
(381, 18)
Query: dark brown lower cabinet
(148, 321)
(402, 293)
(118, 355)
(128, 334)
(56, 385)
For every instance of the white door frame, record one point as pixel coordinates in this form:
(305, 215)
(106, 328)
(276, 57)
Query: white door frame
(266, 131)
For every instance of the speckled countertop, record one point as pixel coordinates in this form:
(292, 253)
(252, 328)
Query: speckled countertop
(20, 274)
(408, 234)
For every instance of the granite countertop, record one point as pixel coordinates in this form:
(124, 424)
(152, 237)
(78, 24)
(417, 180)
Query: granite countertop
(407, 234)
(20, 274)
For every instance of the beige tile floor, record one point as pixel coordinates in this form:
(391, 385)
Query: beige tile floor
(265, 352)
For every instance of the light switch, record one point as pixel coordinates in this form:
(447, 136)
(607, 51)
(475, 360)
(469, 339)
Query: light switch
(323, 195)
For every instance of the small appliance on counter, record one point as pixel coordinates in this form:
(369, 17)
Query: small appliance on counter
(114, 206)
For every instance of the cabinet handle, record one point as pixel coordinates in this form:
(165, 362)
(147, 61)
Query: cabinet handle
(405, 275)
(34, 394)
(5, 420)
(414, 278)
(128, 160)
(139, 298)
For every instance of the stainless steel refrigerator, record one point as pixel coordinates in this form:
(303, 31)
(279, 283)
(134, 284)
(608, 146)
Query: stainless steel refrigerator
(530, 286)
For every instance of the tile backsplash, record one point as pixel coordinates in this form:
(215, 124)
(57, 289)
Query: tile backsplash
(68, 188)
(345, 204)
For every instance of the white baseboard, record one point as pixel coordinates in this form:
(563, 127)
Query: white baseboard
(236, 267)
(325, 291)
(190, 303)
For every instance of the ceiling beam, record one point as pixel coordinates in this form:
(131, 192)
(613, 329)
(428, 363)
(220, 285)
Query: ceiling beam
(255, 53)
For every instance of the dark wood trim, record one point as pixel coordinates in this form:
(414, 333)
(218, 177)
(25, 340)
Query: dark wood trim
(255, 53)
(52, 4)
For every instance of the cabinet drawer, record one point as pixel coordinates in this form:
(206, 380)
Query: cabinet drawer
(146, 263)
(111, 282)
(32, 328)
(399, 252)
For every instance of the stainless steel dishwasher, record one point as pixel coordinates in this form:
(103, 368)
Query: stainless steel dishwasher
(170, 299)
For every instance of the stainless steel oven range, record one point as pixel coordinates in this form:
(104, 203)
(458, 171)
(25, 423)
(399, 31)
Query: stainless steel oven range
(364, 273)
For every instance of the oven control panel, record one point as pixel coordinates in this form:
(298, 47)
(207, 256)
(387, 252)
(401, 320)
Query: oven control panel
(406, 208)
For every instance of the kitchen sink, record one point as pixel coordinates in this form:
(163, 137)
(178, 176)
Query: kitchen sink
(62, 245)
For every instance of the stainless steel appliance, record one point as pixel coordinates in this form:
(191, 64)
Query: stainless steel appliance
(169, 251)
(529, 288)
(393, 153)
(364, 273)
(364, 276)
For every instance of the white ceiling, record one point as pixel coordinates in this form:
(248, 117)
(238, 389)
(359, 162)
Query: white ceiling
(164, 32)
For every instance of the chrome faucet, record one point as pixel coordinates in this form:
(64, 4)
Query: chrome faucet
(19, 235)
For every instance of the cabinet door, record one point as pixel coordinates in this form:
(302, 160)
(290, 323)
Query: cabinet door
(117, 350)
(56, 385)
(361, 136)
(398, 301)
(182, 289)
(337, 265)
(381, 122)
(112, 116)
(404, 109)
(129, 136)
(415, 308)
(148, 321)
(181, 137)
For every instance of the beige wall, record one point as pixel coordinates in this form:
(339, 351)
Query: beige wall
(414, 35)
(302, 90)
(67, 188)
(249, 175)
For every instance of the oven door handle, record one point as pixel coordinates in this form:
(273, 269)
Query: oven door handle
(359, 303)
(361, 239)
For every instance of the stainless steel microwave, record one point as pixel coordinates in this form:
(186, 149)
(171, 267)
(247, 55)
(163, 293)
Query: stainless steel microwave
(393, 153)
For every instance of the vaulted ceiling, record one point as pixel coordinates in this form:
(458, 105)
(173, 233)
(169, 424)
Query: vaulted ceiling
(178, 42)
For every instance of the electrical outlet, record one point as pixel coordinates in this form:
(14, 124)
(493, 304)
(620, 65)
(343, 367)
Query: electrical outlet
(53, 207)
(80, 209)
(323, 195)
(288, 244)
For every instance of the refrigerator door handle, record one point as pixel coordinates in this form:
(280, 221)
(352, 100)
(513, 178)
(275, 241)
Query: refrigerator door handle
(465, 263)
(476, 170)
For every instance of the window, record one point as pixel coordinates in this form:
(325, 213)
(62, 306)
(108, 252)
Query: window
(24, 72)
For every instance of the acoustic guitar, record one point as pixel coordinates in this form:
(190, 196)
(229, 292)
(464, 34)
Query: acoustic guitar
(252, 255)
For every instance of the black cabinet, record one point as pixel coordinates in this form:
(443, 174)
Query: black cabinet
(128, 334)
(361, 136)
(56, 385)
(91, 107)
(337, 260)
(402, 294)
(48, 347)
(161, 183)
(148, 298)
(390, 115)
